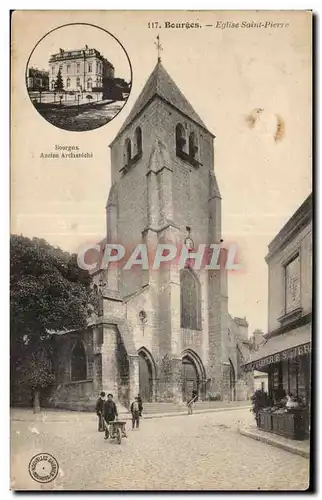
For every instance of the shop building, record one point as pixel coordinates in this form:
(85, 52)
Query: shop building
(285, 354)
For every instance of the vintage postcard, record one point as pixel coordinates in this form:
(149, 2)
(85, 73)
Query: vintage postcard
(161, 250)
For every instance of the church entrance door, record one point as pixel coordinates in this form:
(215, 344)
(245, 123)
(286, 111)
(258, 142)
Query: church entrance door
(232, 382)
(145, 378)
(190, 378)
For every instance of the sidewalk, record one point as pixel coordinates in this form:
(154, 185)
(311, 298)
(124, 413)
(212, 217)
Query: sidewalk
(298, 447)
(52, 415)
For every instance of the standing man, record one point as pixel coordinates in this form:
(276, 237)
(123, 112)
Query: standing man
(99, 411)
(135, 411)
(110, 413)
(140, 405)
(192, 401)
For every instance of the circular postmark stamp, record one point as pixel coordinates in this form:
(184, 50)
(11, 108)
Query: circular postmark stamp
(43, 468)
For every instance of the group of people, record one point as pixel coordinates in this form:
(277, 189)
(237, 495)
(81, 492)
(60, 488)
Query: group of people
(106, 411)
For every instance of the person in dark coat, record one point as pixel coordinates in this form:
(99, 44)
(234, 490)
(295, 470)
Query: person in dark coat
(99, 411)
(192, 401)
(140, 405)
(135, 411)
(110, 413)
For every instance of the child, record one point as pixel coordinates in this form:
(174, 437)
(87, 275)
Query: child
(135, 410)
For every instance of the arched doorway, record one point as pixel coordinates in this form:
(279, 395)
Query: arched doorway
(145, 376)
(232, 382)
(78, 362)
(190, 378)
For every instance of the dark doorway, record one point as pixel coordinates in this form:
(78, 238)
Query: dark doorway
(145, 377)
(78, 362)
(232, 382)
(190, 378)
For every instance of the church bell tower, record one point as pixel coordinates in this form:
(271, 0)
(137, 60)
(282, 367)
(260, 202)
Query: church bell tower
(164, 190)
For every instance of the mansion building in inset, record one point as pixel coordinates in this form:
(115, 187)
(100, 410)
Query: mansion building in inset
(80, 69)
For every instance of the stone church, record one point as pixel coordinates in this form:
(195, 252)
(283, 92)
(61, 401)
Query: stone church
(161, 333)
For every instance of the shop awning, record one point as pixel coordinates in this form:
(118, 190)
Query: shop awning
(288, 345)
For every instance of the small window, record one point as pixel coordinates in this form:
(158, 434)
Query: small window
(180, 138)
(78, 68)
(128, 152)
(193, 148)
(89, 84)
(68, 68)
(78, 82)
(68, 82)
(138, 138)
(53, 85)
(89, 67)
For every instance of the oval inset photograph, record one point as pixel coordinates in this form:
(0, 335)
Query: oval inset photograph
(79, 77)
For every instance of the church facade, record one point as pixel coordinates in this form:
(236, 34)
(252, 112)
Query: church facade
(161, 333)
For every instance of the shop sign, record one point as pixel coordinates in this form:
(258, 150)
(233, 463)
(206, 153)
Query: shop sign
(300, 350)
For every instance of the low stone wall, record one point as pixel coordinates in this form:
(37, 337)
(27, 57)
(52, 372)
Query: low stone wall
(78, 395)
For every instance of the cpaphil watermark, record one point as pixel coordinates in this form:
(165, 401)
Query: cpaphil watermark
(211, 257)
(43, 468)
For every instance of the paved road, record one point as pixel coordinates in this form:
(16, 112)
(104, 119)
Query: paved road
(201, 451)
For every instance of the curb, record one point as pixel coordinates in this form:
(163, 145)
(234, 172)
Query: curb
(126, 416)
(209, 410)
(275, 442)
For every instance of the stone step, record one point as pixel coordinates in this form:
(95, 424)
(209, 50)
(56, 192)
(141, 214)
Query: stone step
(152, 408)
(155, 407)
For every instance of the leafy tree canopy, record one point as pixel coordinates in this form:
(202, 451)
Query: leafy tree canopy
(48, 291)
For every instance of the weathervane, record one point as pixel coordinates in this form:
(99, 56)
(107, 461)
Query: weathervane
(159, 48)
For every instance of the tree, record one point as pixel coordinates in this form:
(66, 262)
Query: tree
(48, 293)
(35, 371)
(59, 84)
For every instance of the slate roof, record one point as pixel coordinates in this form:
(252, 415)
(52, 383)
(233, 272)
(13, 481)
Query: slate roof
(161, 84)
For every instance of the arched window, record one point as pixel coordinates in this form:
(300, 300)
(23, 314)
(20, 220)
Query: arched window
(193, 148)
(190, 300)
(138, 139)
(78, 82)
(89, 84)
(128, 151)
(53, 85)
(180, 138)
(78, 361)
(68, 82)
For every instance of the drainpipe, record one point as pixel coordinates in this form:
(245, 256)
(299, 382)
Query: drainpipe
(84, 87)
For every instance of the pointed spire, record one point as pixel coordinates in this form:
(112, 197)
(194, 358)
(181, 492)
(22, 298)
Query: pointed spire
(161, 84)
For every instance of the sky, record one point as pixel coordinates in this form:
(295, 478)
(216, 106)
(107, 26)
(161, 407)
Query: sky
(226, 74)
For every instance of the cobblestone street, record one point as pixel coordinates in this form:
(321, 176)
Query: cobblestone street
(201, 451)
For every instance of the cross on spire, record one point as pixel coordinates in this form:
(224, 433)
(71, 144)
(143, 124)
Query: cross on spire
(159, 48)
